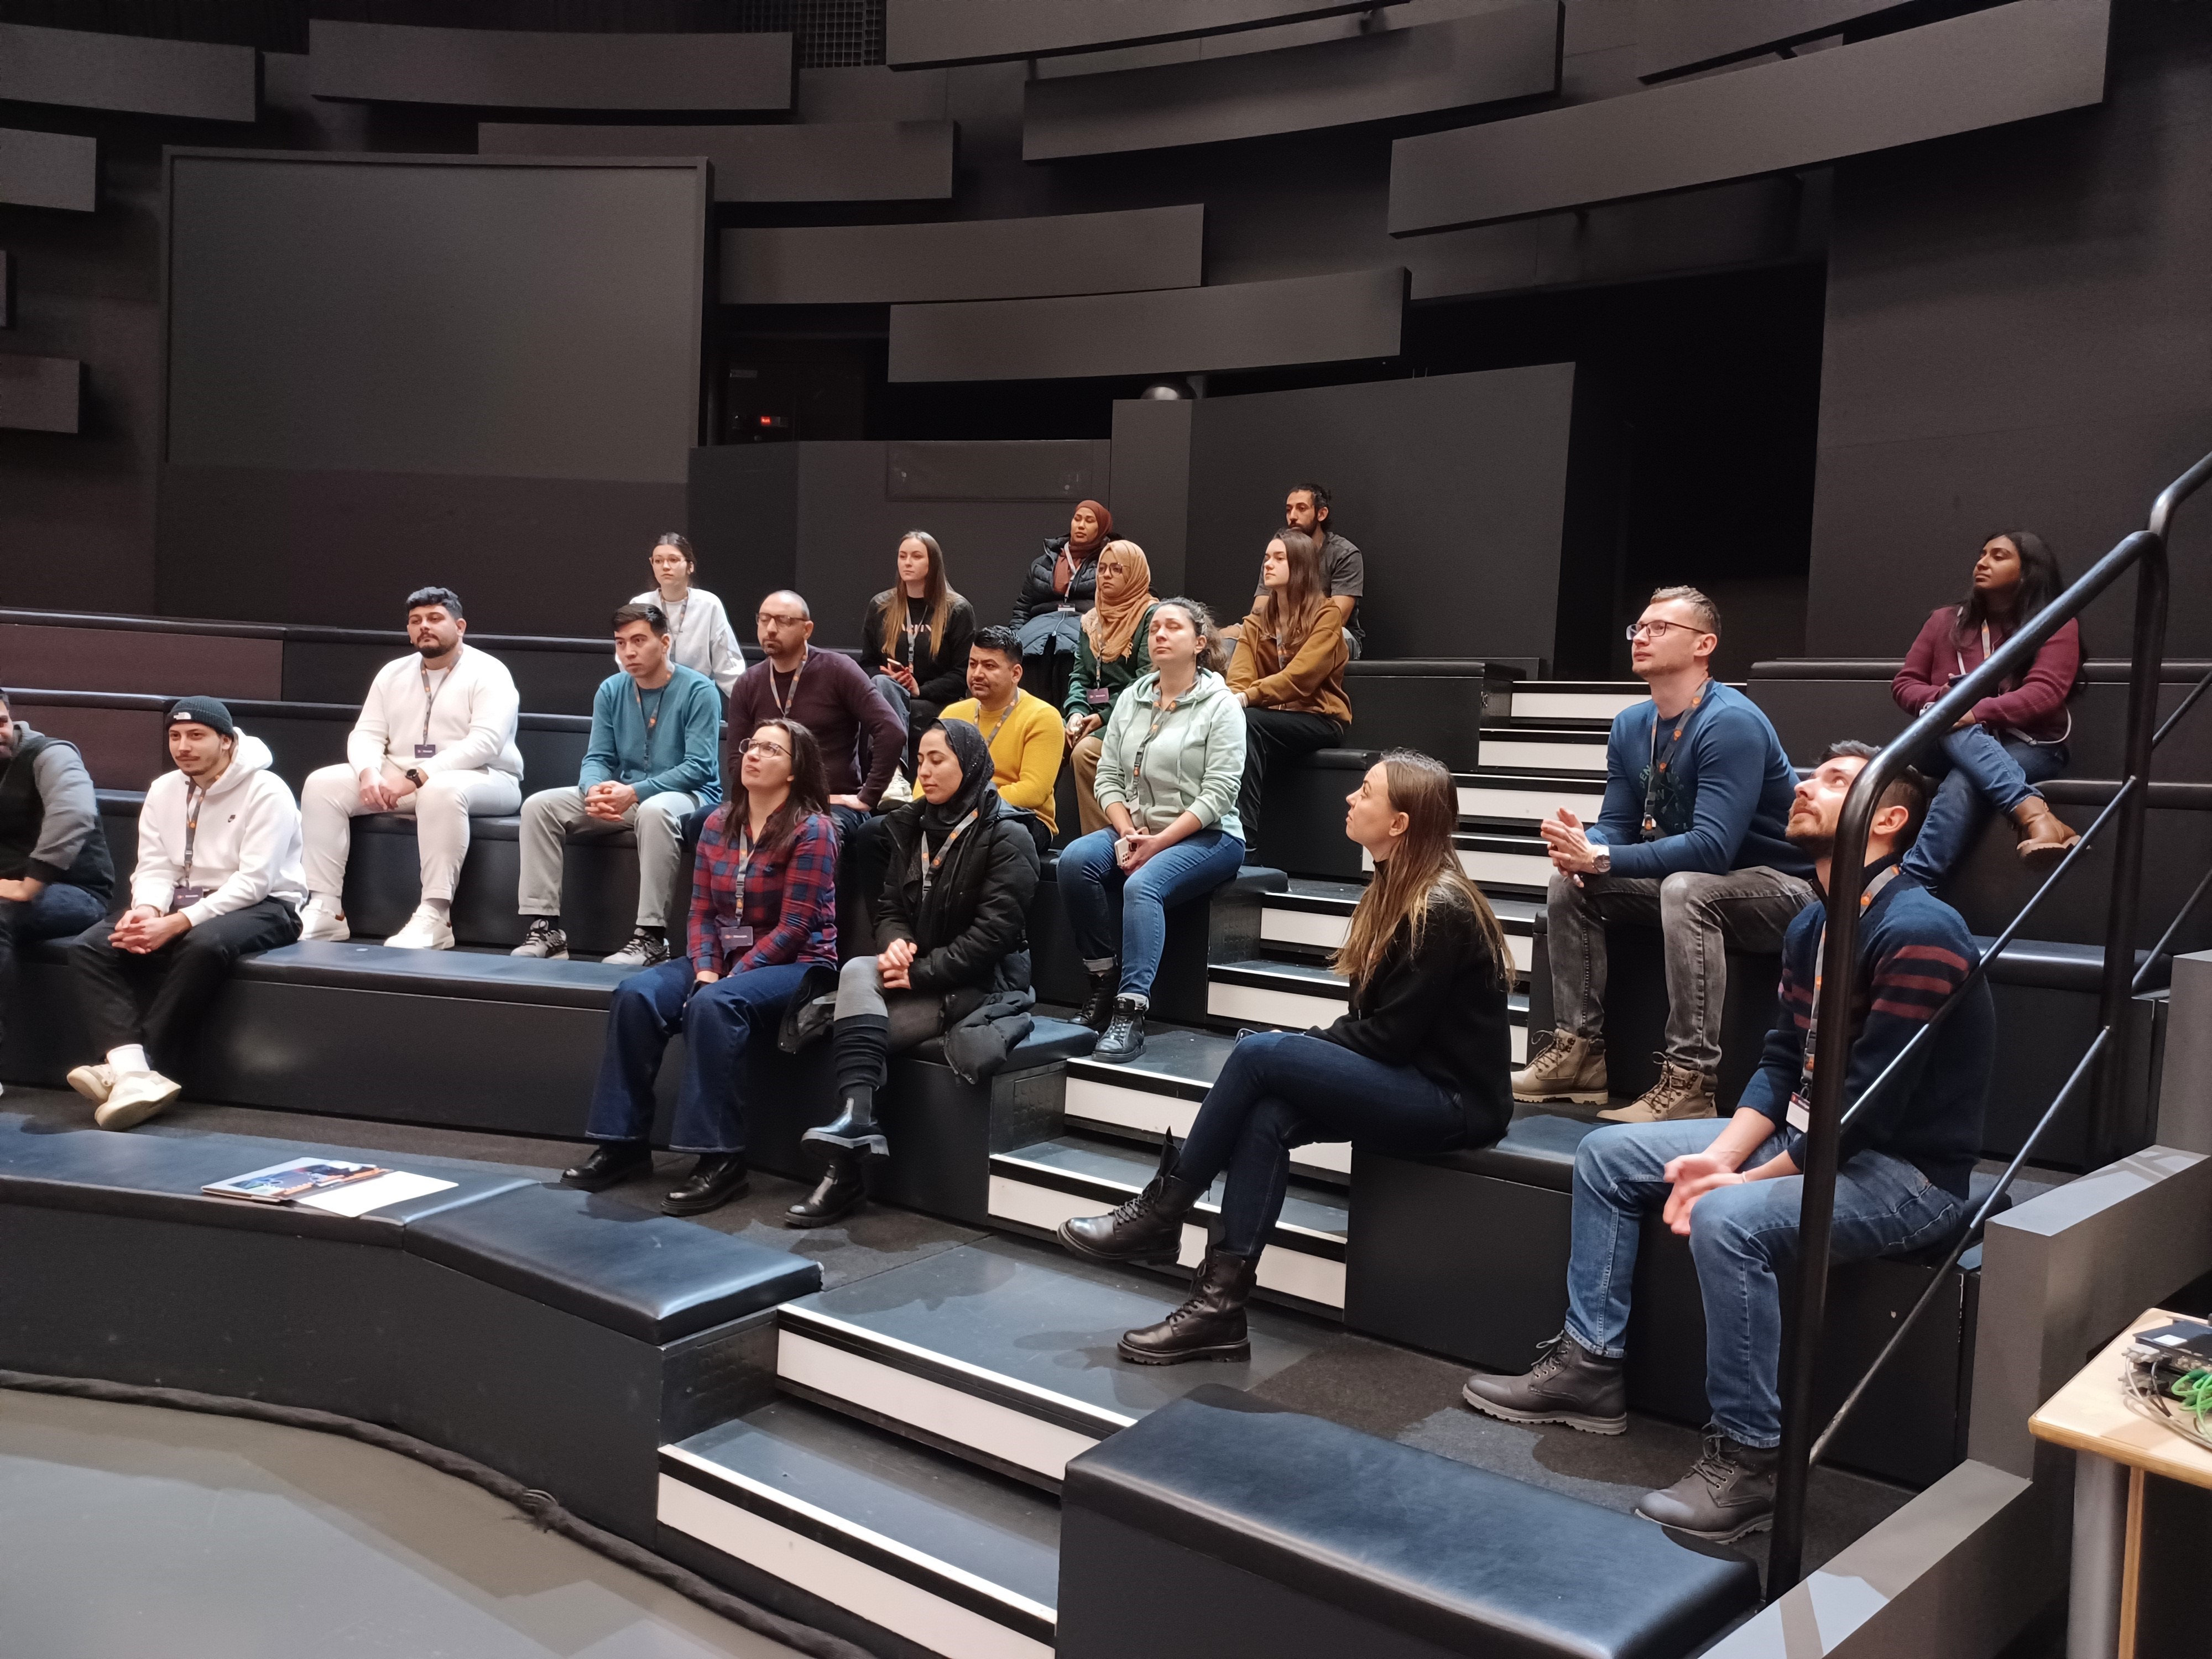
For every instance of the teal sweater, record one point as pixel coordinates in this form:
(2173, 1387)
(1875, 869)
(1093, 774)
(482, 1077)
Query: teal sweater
(685, 738)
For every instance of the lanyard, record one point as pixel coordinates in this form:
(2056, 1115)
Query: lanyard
(1961, 655)
(676, 621)
(1802, 1104)
(1160, 712)
(1653, 766)
(913, 630)
(784, 699)
(430, 697)
(651, 719)
(992, 736)
(929, 865)
(194, 797)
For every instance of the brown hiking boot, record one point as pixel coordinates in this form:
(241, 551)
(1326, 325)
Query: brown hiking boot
(1567, 1067)
(2043, 840)
(1680, 1093)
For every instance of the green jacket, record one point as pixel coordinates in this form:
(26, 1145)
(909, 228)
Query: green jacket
(1117, 676)
(1194, 763)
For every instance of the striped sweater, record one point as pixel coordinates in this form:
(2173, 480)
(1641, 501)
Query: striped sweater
(1914, 951)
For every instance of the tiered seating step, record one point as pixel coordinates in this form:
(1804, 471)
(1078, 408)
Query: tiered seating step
(1503, 865)
(1003, 1353)
(1583, 701)
(1312, 918)
(1036, 1187)
(1518, 801)
(1535, 746)
(1294, 995)
(945, 1555)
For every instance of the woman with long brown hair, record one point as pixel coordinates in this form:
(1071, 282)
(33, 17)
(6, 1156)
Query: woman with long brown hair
(1419, 1064)
(1288, 671)
(763, 910)
(914, 638)
(1112, 654)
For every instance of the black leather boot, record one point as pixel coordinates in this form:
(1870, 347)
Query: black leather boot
(1148, 1228)
(1124, 1036)
(1098, 1007)
(1210, 1326)
(716, 1179)
(610, 1164)
(1728, 1491)
(854, 1128)
(841, 1191)
(1567, 1384)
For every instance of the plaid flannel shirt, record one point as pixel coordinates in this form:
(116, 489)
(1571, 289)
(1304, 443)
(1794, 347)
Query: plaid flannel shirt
(790, 896)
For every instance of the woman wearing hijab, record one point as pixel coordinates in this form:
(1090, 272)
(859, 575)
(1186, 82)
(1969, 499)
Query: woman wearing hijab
(1112, 653)
(951, 932)
(1061, 586)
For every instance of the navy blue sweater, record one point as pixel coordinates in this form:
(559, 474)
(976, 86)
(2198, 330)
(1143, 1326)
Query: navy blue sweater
(1914, 951)
(1724, 801)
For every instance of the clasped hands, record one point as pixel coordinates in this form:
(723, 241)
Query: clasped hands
(1135, 849)
(384, 787)
(1568, 844)
(610, 800)
(142, 929)
(1693, 1175)
(894, 962)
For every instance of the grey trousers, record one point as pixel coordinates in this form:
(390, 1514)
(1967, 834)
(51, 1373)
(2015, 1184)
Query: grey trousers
(548, 816)
(912, 1016)
(1700, 917)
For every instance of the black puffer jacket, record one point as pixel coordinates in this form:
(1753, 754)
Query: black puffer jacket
(973, 929)
(1037, 595)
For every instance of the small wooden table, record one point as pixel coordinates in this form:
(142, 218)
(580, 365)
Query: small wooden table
(2092, 1415)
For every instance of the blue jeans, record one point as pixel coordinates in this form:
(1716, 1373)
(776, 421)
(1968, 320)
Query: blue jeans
(1117, 916)
(722, 1023)
(1980, 774)
(1284, 1089)
(1739, 1238)
(59, 911)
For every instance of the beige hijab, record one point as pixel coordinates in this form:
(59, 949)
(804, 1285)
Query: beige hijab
(1112, 622)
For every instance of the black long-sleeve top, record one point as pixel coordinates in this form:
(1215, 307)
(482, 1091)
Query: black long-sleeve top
(1440, 1009)
(940, 667)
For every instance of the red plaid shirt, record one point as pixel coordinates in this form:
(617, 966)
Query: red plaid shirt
(789, 898)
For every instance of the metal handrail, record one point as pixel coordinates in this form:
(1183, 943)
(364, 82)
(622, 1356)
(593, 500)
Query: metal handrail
(2144, 552)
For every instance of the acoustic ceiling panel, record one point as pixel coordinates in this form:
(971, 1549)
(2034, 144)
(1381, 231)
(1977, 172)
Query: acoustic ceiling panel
(964, 259)
(920, 33)
(840, 162)
(130, 73)
(1510, 52)
(2008, 63)
(1299, 319)
(40, 394)
(49, 169)
(1674, 39)
(527, 68)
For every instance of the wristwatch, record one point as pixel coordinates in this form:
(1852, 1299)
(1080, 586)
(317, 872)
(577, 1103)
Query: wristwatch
(1601, 858)
(414, 775)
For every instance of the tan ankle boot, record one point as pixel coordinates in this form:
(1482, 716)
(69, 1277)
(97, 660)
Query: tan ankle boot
(1569, 1067)
(2043, 839)
(1680, 1093)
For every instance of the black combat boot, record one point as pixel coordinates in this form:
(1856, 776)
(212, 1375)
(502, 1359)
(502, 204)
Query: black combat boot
(1210, 1326)
(1148, 1228)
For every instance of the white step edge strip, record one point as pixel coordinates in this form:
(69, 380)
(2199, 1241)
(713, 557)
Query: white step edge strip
(1506, 870)
(1571, 705)
(1288, 1272)
(1326, 932)
(903, 1608)
(1092, 1101)
(1293, 1010)
(1485, 800)
(950, 1413)
(1535, 755)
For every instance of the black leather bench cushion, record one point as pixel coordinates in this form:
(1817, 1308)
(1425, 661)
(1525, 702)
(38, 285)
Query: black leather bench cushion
(504, 827)
(485, 975)
(1537, 1150)
(1050, 1040)
(651, 1276)
(2054, 966)
(1339, 759)
(1475, 1562)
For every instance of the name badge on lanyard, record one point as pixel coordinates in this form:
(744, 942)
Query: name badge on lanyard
(1800, 1112)
(734, 933)
(426, 749)
(184, 894)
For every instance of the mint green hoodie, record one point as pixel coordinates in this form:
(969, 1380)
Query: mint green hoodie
(1193, 763)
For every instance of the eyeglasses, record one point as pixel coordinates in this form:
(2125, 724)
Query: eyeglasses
(755, 746)
(1658, 629)
(768, 617)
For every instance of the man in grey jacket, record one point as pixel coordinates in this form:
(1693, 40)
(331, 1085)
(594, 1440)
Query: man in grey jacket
(55, 873)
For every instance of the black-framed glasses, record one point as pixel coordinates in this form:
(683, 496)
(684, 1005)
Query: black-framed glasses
(755, 746)
(776, 616)
(1657, 628)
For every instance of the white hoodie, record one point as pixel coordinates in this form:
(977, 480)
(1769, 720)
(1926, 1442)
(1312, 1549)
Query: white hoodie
(246, 848)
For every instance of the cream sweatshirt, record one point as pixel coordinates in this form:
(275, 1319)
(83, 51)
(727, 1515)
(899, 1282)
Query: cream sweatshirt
(470, 714)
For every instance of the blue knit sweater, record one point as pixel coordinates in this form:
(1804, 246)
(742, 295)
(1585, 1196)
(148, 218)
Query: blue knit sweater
(1722, 803)
(1914, 951)
(679, 752)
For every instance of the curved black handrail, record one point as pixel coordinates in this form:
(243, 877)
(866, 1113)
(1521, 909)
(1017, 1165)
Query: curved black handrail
(2145, 553)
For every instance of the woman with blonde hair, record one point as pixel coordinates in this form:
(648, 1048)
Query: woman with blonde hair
(914, 638)
(1288, 671)
(1419, 1064)
(1112, 653)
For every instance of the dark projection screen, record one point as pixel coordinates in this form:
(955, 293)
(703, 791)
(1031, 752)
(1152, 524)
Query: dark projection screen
(536, 318)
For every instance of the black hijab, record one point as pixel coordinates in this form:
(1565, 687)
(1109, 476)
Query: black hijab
(967, 747)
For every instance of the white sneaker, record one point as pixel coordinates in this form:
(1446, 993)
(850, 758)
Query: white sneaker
(545, 941)
(317, 923)
(136, 1096)
(425, 930)
(898, 789)
(94, 1083)
(644, 950)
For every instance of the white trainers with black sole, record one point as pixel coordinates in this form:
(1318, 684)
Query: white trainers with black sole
(545, 941)
(646, 949)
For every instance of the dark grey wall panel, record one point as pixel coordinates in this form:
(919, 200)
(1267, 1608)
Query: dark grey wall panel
(928, 31)
(527, 68)
(7, 290)
(2031, 57)
(528, 556)
(132, 73)
(1672, 38)
(742, 515)
(40, 394)
(1299, 319)
(1034, 469)
(1152, 483)
(964, 259)
(1454, 486)
(869, 94)
(49, 170)
(837, 161)
(1511, 53)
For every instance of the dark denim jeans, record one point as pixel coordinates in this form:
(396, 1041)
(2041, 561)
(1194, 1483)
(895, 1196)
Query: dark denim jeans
(59, 911)
(1286, 1089)
(1980, 774)
(723, 1024)
(1741, 1237)
(1119, 915)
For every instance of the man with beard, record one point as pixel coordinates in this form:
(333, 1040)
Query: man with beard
(1900, 1180)
(55, 873)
